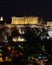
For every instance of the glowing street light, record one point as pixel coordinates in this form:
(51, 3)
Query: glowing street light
(1, 18)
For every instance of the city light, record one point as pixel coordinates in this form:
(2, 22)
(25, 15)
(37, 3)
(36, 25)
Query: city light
(1, 18)
(18, 39)
(50, 33)
(24, 20)
(21, 39)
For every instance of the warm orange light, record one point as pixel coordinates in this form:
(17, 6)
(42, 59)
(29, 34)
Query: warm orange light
(1, 60)
(49, 23)
(9, 48)
(8, 59)
(24, 20)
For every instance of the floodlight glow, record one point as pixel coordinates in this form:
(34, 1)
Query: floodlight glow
(1, 18)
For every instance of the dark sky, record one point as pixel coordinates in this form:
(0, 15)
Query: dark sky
(41, 8)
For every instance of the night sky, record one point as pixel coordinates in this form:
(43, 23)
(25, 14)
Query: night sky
(41, 8)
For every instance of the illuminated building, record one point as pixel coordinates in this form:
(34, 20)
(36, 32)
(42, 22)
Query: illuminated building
(24, 20)
(49, 23)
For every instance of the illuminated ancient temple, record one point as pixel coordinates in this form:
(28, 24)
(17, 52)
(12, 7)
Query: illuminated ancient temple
(24, 20)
